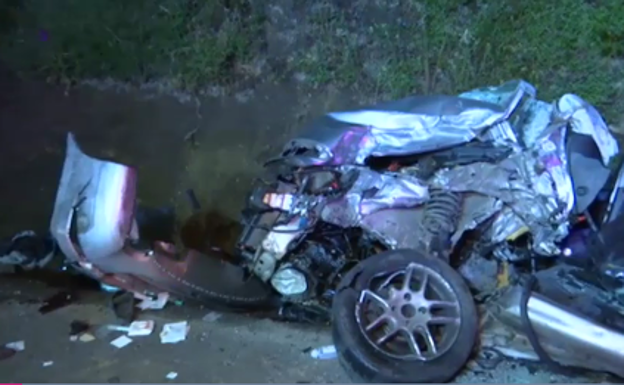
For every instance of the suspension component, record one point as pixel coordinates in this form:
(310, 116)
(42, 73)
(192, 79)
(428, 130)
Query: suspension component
(441, 215)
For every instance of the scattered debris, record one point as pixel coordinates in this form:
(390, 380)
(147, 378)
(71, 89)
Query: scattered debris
(154, 304)
(104, 330)
(172, 375)
(57, 301)
(121, 342)
(78, 331)
(118, 328)
(6, 353)
(27, 250)
(48, 363)
(18, 346)
(78, 327)
(86, 337)
(212, 316)
(141, 328)
(136, 329)
(174, 332)
(324, 353)
(489, 358)
(123, 305)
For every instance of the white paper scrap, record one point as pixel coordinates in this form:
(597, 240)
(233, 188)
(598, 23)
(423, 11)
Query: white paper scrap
(18, 346)
(86, 337)
(141, 328)
(174, 332)
(121, 342)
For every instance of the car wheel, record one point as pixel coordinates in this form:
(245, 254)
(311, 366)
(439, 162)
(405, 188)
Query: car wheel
(401, 316)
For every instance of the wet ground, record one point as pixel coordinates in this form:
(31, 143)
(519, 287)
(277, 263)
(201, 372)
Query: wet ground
(232, 348)
(232, 136)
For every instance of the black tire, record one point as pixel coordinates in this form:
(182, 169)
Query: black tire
(362, 361)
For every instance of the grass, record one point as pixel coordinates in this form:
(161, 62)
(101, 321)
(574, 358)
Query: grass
(388, 50)
(189, 42)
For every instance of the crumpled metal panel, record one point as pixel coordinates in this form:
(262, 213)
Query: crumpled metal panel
(531, 189)
(374, 191)
(585, 119)
(413, 125)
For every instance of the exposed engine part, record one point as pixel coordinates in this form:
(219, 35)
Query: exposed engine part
(274, 247)
(440, 218)
(264, 265)
(567, 337)
(471, 153)
(505, 253)
(280, 237)
(479, 272)
(316, 263)
(289, 281)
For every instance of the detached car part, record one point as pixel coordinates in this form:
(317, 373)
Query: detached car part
(569, 338)
(94, 226)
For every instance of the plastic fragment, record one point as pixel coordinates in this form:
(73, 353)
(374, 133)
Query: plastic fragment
(324, 353)
(18, 346)
(121, 342)
(174, 332)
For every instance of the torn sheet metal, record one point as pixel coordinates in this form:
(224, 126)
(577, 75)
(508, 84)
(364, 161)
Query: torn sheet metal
(585, 119)
(374, 191)
(531, 189)
(413, 125)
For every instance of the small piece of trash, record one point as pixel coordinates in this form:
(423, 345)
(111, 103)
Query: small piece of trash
(103, 331)
(324, 353)
(141, 328)
(212, 316)
(78, 327)
(48, 363)
(154, 304)
(86, 337)
(18, 346)
(121, 342)
(174, 332)
(118, 328)
(172, 375)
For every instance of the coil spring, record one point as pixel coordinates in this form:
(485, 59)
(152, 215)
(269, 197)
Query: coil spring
(442, 212)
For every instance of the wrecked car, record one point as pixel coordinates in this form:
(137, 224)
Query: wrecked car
(397, 221)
